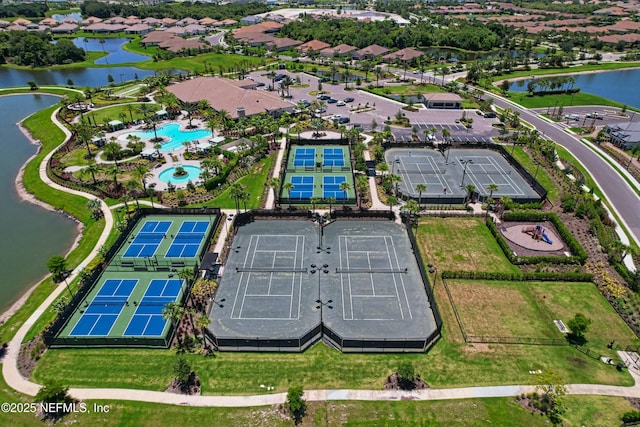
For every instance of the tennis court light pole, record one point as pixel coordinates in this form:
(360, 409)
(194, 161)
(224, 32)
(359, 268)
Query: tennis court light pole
(464, 171)
(317, 269)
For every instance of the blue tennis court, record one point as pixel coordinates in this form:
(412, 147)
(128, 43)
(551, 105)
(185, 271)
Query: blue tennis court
(302, 187)
(101, 314)
(333, 157)
(148, 239)
(188, 240)
(147, 320)
(304, 157)
(331, 186)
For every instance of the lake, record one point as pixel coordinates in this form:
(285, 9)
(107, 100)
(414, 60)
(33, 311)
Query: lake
(82, 77)
(113, 48)
(621, 86)
(30, 234)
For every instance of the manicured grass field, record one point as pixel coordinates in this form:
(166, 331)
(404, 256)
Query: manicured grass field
(527, 309)
(580, 98)
(463, 244)
(569, 70)
(214, 61)
(408, 89)
(113, 113)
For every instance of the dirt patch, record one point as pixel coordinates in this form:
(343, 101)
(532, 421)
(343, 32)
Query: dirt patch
(478, 348)
(394, 383)
(524, 245)
(635, 402)
(191, 387)
(527, 403)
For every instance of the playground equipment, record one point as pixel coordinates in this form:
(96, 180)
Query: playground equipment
(537, 232)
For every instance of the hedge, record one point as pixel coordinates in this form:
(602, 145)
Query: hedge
(544, 276)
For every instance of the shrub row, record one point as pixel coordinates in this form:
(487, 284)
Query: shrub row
(573, 244)
(523, 260)
(544, 276)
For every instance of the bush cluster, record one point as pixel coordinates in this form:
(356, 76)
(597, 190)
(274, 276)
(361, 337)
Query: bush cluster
(542, 276)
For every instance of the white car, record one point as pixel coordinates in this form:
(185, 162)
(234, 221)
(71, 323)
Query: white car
(341, 104)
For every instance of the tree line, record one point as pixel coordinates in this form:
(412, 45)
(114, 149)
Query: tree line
(464, 35)
(29, 10)
(36, 50)
(173, 10)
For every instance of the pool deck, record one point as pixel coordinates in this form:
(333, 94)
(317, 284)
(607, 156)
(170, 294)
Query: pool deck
(178, 152)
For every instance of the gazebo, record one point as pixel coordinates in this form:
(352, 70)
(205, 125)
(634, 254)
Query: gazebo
(115, 125)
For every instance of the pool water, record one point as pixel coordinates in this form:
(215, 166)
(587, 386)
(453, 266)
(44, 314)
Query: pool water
(175, 135)
(193, 173)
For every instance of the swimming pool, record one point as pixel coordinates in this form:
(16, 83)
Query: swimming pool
(193, 173)
(175, 135)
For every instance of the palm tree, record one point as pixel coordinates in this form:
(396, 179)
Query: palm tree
(91, 170)
(202, 322)
(288, 186)
(114, 171)
(420, 188)
(113, 150)
(124, 199)
(378, 72)
(344, 186)
(133, 187)
(491, 188)
(145, 110)
(141, 172)
(470, 190)
(151, 192)
(331, 200)
(446, 134)
(274, 183)
(190, 109)
(236, 191)
(393, 180)
(362, 183)
(314, 201)
(173, 312)
(392, 202)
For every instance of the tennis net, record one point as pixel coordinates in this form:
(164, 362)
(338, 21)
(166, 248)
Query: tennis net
(270, 270)
(372, 270)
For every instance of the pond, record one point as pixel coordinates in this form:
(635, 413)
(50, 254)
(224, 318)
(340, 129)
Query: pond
(620, 85)
(113, 47)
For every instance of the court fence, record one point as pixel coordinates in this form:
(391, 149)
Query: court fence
(292, 344)
(51, 334)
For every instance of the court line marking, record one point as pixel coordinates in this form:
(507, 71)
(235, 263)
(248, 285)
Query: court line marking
(404, 289)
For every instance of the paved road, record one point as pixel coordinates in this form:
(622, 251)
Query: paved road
(616, 190)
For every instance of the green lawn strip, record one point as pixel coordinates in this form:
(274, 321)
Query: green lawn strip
(16, 419)
(135, 46)
(566, 156)
(407, 89)
(461, 244)
(75, 158)
(87, 63)
(113, 113)
(228, 62)
(46, 90)
(254, 183)
(595, 410)
(566, 100)
(541, 176)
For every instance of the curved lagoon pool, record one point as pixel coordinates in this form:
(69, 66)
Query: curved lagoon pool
(175, 135)
(193, 173)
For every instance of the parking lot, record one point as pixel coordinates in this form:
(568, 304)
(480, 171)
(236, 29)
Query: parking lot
(382, 108)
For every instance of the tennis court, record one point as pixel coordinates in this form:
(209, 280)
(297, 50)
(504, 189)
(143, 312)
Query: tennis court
(333, 156)
(147, 319)
(147, 240)
(188, 240)
(331, 187)
(302, 187)
(304, 157)
(101, 314)
(445, 176)
(279, 284)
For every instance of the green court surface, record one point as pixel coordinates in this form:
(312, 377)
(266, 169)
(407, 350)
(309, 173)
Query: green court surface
(124, 305)
(318, 171)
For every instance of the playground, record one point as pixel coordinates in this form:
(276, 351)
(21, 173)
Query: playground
(527, 238)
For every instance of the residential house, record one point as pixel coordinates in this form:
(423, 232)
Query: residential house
(370, 52)
(340, 50)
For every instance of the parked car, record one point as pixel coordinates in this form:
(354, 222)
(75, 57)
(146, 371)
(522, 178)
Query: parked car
(305, 102)
(349, 99)
(340, 104)
(260, 84)
(489, 115)
(343, 120)
(595, 115)
(332, 101)
(321, 110)
(324, 97)
(575, 117)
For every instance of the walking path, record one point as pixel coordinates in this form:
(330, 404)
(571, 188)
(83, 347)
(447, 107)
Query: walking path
(15, 380)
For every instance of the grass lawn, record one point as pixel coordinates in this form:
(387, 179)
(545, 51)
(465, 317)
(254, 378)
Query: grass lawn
(541, 176)
(254, 183)
(580, 98)
(113, 113)
(215, 61)
(569, 70)
(463, 244)
(516, 309)
(408, 89)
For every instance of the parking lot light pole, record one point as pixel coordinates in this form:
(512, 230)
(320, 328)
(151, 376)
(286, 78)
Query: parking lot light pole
(464, 171)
